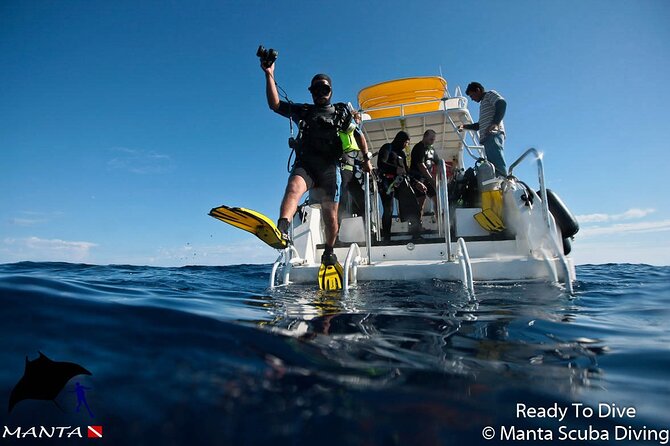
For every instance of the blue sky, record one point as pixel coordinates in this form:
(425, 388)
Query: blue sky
(122, 123)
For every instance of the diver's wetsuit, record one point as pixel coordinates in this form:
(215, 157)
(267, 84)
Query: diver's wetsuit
(320, 148)
(390, 158)
(426, 155)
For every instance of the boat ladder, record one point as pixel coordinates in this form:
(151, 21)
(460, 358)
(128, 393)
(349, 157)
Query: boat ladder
(287, 258)
(350, 267)
(466, 266)
(558, 250)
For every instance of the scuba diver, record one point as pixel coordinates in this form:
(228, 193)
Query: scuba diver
(394, 183)
(318, 151)
(422, 171)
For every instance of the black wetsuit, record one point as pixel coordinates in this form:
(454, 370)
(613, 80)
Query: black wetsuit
(319, 148)
(388, 162)
(421, 154)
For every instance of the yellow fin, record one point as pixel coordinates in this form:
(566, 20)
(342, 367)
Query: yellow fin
(253, 222)
(489, 220)
(331, 277)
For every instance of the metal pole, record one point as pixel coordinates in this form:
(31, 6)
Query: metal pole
(438, 212)
(482, 153)
(445, 200)
(367, 218)
(540, 174)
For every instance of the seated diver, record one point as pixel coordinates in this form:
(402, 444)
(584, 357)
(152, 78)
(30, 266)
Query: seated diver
(394, 183)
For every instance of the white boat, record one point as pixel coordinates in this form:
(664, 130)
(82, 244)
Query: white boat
(453, 246)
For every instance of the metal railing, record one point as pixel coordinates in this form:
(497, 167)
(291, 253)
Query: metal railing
(351, 263)
(477, 146)
(368, 225)
(284, 260)
(545, 214)
(540, 174)
(443, 202)
(401, 107)
(466, 266)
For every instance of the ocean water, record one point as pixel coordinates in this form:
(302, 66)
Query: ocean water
(210, 355)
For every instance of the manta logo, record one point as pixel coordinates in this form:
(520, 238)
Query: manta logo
(43, 379)
(51, 432)
(44, 432)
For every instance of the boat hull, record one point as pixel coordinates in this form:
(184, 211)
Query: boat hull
(489, 261)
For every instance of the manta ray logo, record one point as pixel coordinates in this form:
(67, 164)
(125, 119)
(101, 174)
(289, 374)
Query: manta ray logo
(43, 379)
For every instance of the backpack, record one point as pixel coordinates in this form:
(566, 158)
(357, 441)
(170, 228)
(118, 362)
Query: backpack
(469, 189)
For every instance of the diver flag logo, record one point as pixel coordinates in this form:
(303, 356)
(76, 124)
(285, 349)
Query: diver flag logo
(95, 432)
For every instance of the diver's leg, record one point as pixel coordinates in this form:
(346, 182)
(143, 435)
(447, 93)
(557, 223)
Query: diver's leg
(421, 200)
(330, 180)
(387, 214)
(493, 145)
(88, 409)
(295, 188)
(329, 209)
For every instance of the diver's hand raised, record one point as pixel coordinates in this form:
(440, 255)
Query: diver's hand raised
(270, 71)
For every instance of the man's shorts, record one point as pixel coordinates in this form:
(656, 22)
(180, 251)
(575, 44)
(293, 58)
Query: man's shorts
(323, 180)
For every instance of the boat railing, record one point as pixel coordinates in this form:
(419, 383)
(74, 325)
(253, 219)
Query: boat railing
(545, 211)
(443, 203)
(409, 105)
(285, 261)
(351, 263)
(464, 259)
(445, 224)
(368, 214)
(476, 145)
(441, 105)
(540, 175)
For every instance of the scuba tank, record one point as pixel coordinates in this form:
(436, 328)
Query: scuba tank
(429, 160)
(491, 217)
(486, 176)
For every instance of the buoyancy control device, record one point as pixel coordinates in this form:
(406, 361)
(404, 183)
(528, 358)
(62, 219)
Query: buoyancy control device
(347, 129)
(323, 132)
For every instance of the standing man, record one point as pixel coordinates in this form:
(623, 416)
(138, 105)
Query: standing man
(421, 169)
(490, 125)
(318, 151)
